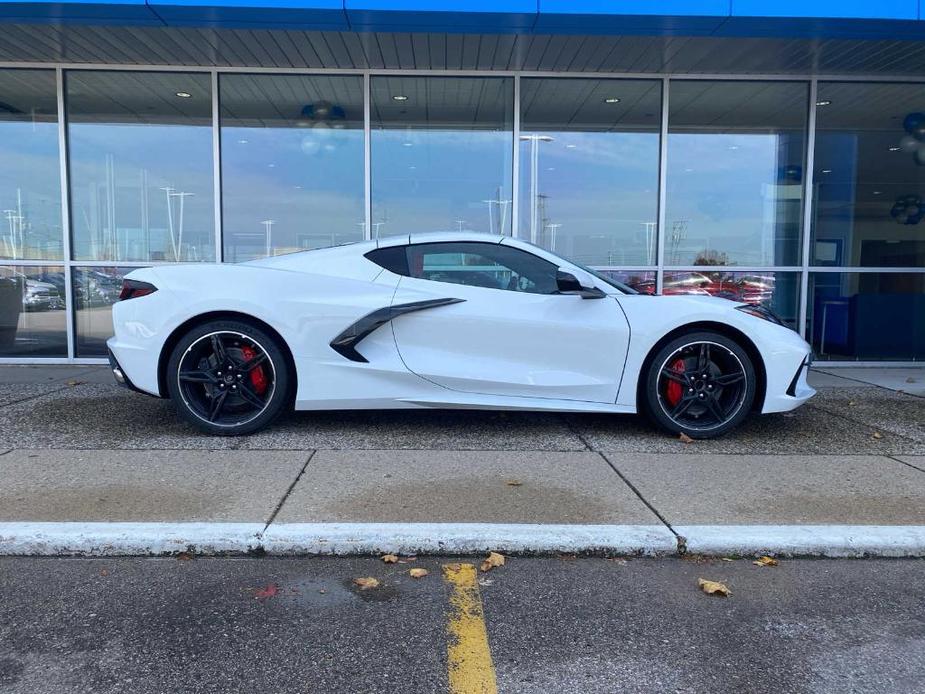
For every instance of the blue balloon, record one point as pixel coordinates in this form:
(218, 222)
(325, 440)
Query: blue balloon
(913, 121)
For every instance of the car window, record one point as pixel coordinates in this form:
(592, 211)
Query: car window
(488, 265)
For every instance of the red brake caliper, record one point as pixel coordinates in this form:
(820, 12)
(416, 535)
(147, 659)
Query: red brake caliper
(673, 390)
(258, 378)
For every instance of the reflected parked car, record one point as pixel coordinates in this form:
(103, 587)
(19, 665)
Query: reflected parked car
(11, 291)
(41, 296)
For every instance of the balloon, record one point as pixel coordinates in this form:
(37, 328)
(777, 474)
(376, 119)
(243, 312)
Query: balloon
(913, 121)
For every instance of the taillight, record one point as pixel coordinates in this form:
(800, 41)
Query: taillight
(132, 289)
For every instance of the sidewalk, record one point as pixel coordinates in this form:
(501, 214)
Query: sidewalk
(90, 468)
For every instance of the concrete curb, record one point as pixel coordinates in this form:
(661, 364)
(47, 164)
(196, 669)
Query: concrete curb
(127, 539)
(805, 540)
(345, 539)
(467, 538)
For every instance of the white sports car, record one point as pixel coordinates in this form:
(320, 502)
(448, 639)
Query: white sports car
(444, 321)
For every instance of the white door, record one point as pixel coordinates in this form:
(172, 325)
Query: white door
(511, 334)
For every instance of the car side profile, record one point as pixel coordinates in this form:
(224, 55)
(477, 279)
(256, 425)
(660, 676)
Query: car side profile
(447, 320)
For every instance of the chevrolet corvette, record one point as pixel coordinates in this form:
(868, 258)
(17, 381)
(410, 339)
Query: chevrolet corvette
(445, 320)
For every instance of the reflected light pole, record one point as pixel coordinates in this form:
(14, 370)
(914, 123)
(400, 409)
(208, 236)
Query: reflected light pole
(268, 226)
(534, 141)
(178, 249)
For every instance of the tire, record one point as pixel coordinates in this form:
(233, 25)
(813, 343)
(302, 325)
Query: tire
(701, 384)
(229, 402)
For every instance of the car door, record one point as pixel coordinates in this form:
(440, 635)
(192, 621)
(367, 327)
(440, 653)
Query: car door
(511, 334)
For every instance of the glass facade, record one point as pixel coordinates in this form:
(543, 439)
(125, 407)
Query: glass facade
(292, 163)
(735, 172)
(140, 153)
(30, 179)
(706, 193)
(589, 153)
(442, 152)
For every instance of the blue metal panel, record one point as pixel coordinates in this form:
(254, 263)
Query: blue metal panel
(292, 14)
(766, 18)
(78, 11)
(842, 9)
(502, 16)
(616, 8)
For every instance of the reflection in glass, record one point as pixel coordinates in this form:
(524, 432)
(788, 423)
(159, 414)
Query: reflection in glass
(735, 173)
(30, 178)
(869, 175)
(32, 316)
(589, 168)
(642, 281)
(96, 289)
(292, 163)
(141, 166)
(875, 315)
(779, 291)
(441, 154)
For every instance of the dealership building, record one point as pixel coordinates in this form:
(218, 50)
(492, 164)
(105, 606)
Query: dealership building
(763, 151)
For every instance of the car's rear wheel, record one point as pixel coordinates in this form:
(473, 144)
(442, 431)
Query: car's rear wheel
(701, 384)
(228, 378)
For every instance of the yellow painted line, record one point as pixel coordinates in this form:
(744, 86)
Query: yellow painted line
(470, 668)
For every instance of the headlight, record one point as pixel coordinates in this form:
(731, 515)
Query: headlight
(760, 311)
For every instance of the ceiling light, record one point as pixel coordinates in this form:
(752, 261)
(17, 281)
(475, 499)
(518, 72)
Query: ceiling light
(827, 171)
(184, 95)
(878, 192)
(242, 142)
(570, 146)
(611, 100)
(407, 144)
(895, 149)
(824, 102)
(400, 97)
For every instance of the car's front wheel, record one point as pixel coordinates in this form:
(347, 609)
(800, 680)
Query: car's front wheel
(701, 384)
(228, 378)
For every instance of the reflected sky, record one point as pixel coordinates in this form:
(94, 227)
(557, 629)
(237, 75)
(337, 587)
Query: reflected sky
(30, 191)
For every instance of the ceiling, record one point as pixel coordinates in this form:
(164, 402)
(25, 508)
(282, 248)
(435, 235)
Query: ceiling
(265, 48)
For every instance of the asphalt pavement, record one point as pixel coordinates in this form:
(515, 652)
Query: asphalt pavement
(557, 624)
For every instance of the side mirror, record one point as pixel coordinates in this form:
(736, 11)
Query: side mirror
(567, 283)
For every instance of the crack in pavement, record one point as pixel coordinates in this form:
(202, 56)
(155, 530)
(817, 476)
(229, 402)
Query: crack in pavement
(914, 467)
(288, 491)
(681, 540)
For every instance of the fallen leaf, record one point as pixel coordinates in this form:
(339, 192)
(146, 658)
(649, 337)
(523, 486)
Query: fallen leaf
(766, 561)
(418, 573)
(684, 438)
(184, 556)
(389, 558)
(366, 583)
(514, 483)
(877, 435)
(75, 383)
(726, 559)
(104, 572)
(494, 559)
(851, 403)
(713, 587)
(266, 593)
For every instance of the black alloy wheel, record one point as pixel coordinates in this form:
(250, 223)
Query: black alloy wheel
(228, 378)
(701, 384)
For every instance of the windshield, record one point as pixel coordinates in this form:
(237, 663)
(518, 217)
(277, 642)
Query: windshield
(616, 284)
